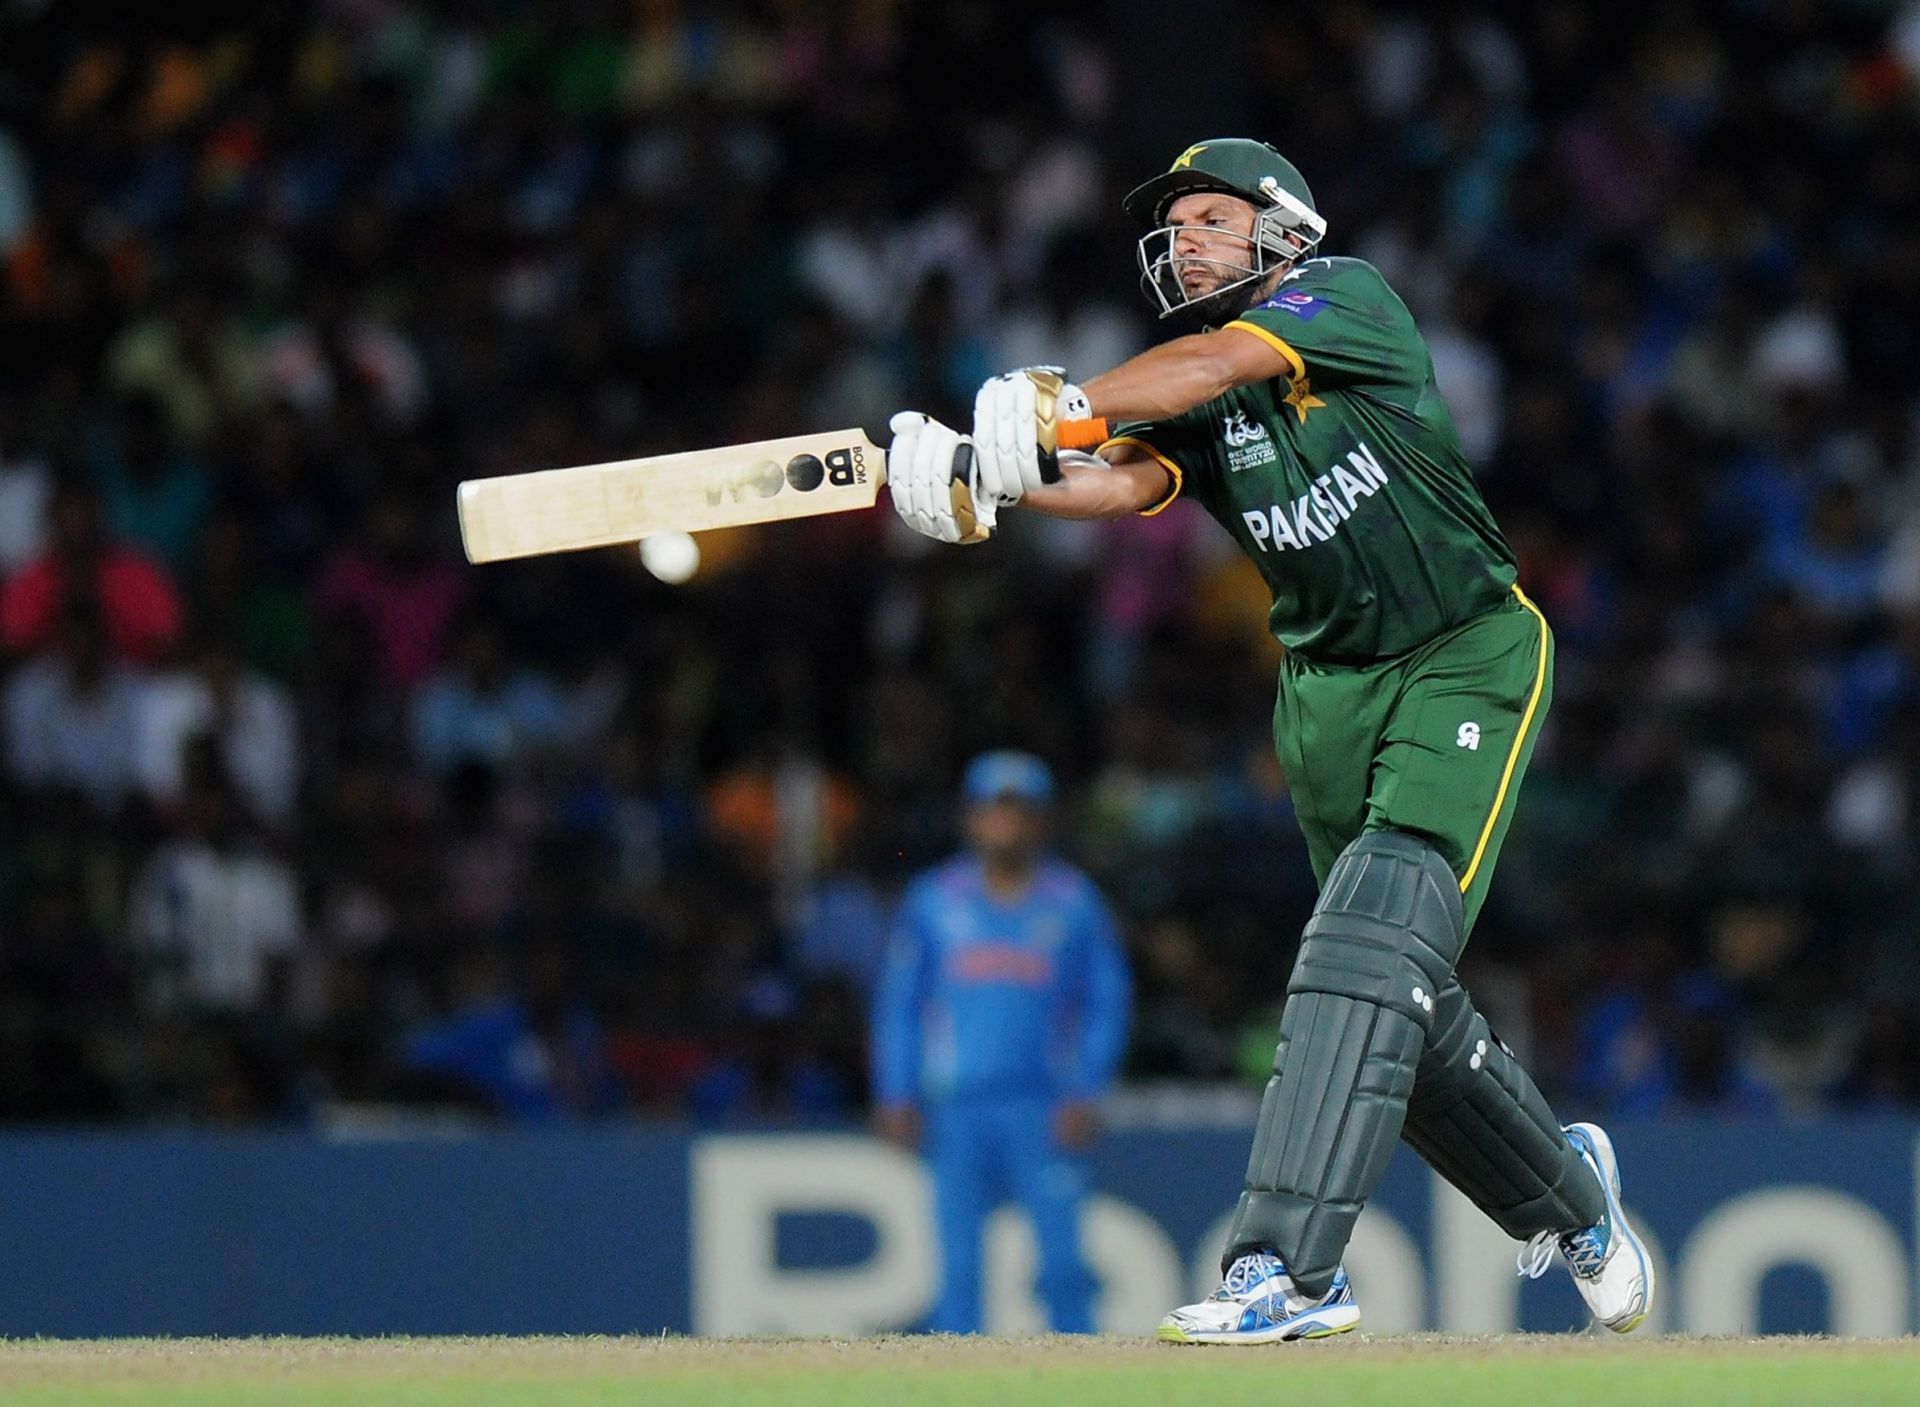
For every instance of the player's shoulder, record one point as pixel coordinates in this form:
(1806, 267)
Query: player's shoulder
(1335, 272)
(1067, 883)
(1334, 281)
(942, 883)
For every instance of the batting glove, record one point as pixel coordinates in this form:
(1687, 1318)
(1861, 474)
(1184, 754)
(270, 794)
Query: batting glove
(1015, 426)
(931, 473)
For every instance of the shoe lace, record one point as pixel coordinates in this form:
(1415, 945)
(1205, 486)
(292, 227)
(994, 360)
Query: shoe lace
(1585, 1250)
(1537, 1254)
(1245, 1273)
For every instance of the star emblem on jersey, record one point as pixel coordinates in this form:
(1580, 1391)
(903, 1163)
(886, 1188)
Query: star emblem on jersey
(1300, 396)
(1185, 160)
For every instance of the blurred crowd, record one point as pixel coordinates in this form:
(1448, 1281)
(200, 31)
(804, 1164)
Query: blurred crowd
(300, 814)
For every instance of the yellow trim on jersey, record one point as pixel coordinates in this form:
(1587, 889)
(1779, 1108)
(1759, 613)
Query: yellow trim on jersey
(1519, 740)
(1274, 341)
(1173, 470)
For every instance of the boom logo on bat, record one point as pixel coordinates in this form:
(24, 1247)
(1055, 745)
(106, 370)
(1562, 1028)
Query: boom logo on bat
(847, 466)
(806, 472)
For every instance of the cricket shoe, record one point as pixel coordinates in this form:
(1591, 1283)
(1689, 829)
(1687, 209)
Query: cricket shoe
(1609, 1261)
(1259, 1304)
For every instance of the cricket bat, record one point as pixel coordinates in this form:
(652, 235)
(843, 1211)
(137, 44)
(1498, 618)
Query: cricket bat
(598, 505)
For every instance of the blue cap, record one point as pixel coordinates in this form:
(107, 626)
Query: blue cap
(1020, 775)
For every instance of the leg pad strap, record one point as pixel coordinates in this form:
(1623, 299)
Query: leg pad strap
(1480, 1122)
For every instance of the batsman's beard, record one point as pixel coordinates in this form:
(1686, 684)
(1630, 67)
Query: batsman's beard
(1240, 286)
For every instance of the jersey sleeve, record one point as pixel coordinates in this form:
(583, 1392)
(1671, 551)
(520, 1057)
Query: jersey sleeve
(1177, 444)
(899, 1002)
(1338, 324)
(1106, 1002)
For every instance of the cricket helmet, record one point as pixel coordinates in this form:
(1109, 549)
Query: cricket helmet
(1286, 229)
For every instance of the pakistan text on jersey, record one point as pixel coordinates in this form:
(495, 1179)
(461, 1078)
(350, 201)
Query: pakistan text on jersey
(1317, 514)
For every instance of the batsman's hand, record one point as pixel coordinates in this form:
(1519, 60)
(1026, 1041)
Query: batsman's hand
(1016, 421)
(1076, 1124)
(899, 1124)
(931, 473)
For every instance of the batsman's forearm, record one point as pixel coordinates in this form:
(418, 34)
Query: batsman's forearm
(1167, 380)
(1087, 491)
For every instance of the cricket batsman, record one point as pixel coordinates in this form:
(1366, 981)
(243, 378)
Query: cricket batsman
(1304, 417)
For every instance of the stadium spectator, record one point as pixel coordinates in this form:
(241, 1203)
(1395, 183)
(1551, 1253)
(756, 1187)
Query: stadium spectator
(246, 717)
(272, 283)
(479, 708)
(154, 494)
(533, 1055)
(26, 485)
(135, 597)
(73, 715)
(213, 917)
(390, 583)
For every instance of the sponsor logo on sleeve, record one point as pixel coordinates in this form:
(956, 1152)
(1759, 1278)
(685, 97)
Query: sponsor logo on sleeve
(1304, 306)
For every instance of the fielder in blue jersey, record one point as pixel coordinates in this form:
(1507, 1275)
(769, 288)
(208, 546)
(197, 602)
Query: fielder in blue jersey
(998, 1023)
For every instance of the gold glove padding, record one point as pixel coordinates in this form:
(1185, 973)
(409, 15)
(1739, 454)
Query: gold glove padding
(972, 528)
(1053, 393)
(1048, 383)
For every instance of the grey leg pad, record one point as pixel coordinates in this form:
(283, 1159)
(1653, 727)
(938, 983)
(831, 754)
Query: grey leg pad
(1379, 948)
(1478, 1120)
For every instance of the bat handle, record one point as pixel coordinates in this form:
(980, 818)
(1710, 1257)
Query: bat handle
(1081, 434)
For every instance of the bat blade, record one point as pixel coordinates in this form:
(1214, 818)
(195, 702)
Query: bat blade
(598, 505)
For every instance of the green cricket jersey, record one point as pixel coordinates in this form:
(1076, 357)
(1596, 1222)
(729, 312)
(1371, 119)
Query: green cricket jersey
(1345, 482)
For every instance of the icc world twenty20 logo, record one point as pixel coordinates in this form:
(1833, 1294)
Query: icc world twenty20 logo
(1238, 432)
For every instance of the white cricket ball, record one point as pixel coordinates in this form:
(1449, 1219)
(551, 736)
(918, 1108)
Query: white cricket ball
(673, 557)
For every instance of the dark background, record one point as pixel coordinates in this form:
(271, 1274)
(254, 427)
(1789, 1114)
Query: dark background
(287, 787)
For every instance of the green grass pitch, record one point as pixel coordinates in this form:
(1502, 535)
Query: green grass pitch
(1352, 1371)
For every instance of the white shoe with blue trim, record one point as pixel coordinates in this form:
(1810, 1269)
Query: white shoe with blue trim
(1609, 1262)
(1259, 1304)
